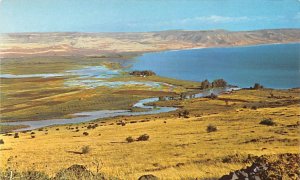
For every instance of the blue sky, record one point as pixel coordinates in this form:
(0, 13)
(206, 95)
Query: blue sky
(146, 15)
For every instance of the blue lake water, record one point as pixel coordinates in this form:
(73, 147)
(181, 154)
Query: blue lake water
(274, 66)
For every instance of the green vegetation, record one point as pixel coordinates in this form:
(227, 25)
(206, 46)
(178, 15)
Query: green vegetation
(211, 128)
(144, 137)
(268, 122)
(85, 149)
(142, 73)
(130, 139)
(215, 84)
(9, 128)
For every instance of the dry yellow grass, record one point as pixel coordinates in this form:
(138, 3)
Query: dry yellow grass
(178, 148)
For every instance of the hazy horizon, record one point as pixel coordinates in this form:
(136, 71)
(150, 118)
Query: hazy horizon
(146, 16)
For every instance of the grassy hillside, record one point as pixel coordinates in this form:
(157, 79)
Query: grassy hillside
(177, 148)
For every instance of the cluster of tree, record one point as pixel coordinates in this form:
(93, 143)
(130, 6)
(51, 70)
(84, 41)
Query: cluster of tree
(215, 84)
(142, 73)
(257, 86)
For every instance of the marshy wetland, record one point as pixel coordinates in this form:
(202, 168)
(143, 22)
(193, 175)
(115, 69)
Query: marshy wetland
(201, 137)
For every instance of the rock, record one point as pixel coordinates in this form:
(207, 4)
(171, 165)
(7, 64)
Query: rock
(148, 177)
(273, 167)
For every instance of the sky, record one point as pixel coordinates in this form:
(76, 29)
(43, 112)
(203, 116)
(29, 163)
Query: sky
(146, 15)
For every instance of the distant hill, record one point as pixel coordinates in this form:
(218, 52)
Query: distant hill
(106, 44)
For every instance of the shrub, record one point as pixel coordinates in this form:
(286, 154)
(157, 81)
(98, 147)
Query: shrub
(268, 122)
(1, 141)
(85, 133)
(123, 123)
(85, 149)
(129, 139)
(184, 114)
(254, 107)
(133, 122)
(211, 128)
(32, 175)
(143, 137)
(57, 129)
(142, 73)
(16, 135)
(32, 136)
(37, 175)
(32, 133)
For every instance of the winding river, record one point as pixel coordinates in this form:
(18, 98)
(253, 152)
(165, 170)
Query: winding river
(93, 115)
(274, 66)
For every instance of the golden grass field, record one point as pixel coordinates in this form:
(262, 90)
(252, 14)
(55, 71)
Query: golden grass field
(178, 148)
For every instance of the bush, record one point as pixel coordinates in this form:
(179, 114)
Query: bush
(254, 107)
(211, 128)
(32, 136)
(34, 175)
(142, 73)
(129, 139)
(268, 122)
(85, 149)
(184, 114)
(1, 141)
(85, 133)
(37, 175)
(16, 135)
(144, 137)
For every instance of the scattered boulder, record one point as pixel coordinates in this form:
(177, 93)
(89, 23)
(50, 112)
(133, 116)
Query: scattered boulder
(283, 166)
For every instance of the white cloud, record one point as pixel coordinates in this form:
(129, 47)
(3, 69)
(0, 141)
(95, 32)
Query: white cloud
(215, 19)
